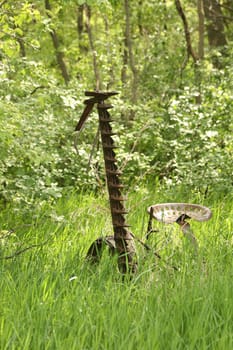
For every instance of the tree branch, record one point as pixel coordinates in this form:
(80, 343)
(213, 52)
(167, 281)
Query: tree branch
(37, 88)
(181, 13)
(2, 3)
(21, 251)
(59, 53)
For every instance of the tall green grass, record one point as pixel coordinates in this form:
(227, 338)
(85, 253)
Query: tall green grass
(51, 298)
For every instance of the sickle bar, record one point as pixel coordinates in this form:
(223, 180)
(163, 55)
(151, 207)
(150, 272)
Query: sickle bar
(123, 238)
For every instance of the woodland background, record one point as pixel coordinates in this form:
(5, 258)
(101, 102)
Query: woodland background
(170, 61)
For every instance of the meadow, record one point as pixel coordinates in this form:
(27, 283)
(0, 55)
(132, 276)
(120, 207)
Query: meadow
(52, 298)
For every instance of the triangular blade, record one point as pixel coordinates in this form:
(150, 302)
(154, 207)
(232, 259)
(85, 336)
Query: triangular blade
(84, 116)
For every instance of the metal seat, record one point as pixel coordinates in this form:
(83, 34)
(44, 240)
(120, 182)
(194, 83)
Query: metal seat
(169, 213)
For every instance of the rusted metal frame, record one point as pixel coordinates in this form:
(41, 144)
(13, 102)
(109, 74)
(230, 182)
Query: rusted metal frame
(150, 226)
(122, 236)
(95, 251)
(124, 241)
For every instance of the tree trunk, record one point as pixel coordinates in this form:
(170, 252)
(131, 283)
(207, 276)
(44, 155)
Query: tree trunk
(190, 50)
(59, 53)
(20, 40)
(80, 22)
(81, 29)
(201, 28)
(215, 28)
(215, 25)
(189, 47)
(92, 46)
(140, 26)
(124, 77)
(110, 54)
(130, 55)
(21, 46)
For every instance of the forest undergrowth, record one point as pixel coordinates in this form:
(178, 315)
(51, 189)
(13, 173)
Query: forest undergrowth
(52, 298)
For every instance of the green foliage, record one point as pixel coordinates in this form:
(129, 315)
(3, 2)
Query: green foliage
(39, 157)
(172, 138)
(183, 141)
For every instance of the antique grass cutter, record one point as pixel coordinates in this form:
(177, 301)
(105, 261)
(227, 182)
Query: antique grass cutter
(123, 241)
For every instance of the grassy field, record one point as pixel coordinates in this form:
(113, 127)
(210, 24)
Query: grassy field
(51, 298)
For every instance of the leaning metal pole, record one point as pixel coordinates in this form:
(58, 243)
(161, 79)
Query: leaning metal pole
(124, 240)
